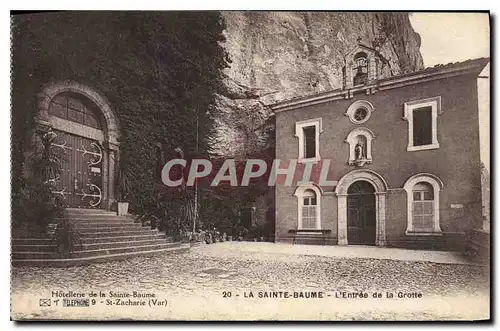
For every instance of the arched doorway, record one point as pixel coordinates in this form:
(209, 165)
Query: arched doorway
(361, 214)
(377, 190)
(84, 135)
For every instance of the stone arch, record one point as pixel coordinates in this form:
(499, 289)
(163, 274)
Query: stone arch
(370, 176)
(437, 186)
(50, 90)
(299, 190)
(110, 131)
(380, 186)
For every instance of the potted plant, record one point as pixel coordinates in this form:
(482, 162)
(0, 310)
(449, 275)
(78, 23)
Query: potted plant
(123, 190)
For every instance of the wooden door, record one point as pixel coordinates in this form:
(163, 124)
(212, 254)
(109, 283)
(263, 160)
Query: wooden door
(80, 181)
(361, 217)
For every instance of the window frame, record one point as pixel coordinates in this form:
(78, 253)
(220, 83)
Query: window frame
(299, 133)
(351, 110)
(300, 194)
(437, 186)
(409, 107)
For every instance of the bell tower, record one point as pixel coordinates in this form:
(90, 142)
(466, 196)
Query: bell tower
(363, 66)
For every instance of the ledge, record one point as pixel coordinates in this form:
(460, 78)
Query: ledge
(420, 233)
(310, 231)
(313, 160)
(422, 148)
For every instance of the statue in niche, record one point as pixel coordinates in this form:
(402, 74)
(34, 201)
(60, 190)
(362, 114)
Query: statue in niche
(358, 151)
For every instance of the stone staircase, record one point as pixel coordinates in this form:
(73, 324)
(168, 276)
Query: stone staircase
(101, 236)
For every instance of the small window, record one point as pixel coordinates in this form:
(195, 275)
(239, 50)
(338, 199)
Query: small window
(309, 210)
(310, 142)
(308, 132)
(360, 114)
(422, 123)
(422, 126)
(360, 70)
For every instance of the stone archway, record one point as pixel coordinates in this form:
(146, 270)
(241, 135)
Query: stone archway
(380, 187)
(108, 138)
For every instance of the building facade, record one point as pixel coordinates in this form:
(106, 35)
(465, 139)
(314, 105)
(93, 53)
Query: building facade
(393, 160)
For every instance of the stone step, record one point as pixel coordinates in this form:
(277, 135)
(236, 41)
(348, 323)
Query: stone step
(122, 244)
(34, 255)
(19, 255)
(112, 228)
(80, 211)
(57, 262)
(106, 224)
(34, 248)
(31, 241)
(106, 233)
(117, 219)
(98, 240)
(94, 218)
(120, 250)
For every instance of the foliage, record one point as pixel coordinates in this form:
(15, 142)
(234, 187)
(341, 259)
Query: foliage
(160, 72)
(37, 205)
(67, 238)
(124, 179)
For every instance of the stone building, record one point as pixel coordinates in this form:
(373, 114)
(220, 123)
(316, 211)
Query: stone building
(401, 153)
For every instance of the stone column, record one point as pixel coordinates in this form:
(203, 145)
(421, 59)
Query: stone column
(380, 200)
(348, 75)
(342, 219)
(372, 73)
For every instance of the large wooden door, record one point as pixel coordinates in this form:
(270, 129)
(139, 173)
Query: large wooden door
(361, 218)
(80, 181)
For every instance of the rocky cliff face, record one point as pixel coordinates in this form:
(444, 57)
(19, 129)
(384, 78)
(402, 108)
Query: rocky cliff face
(280, 55)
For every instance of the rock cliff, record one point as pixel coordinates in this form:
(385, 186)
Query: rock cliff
(280, 55)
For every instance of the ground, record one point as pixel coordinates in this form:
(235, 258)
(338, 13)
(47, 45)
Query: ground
(216, 282)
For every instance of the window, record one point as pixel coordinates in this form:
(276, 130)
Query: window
(359, 111)
(423, 204)
(422, 126)
(422, 123)
(423, 207)
(308, 133)
(72, 107)
(360, 114)
(309, 141)
(309, 206)
(360, 70)
(309, 210)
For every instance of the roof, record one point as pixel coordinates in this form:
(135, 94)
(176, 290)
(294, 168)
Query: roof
(429, 73)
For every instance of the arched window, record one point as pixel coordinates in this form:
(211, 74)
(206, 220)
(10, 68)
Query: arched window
(360, 68)
(309, 206)
(75, 108)
(423, 204)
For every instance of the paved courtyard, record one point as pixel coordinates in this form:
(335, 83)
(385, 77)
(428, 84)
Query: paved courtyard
(237, 280)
